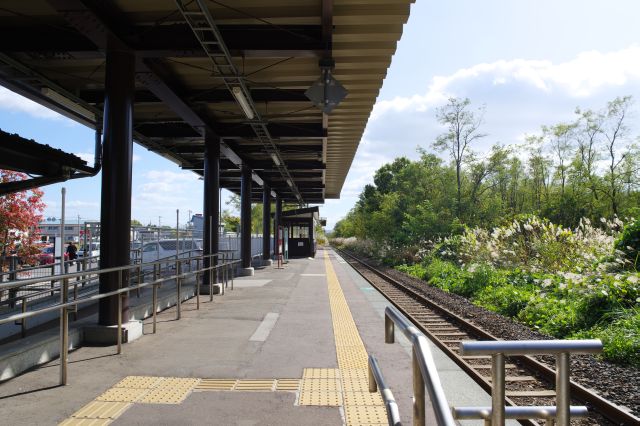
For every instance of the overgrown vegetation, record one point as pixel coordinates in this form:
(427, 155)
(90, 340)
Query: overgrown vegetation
(537, 234)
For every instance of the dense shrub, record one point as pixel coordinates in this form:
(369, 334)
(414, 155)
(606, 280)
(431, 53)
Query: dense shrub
(628, 242)
(562, 282)
(416, 270)
(507, 299)
(553, 316)
(621, 338)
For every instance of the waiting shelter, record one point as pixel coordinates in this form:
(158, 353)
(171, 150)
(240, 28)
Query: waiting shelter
(299, 235)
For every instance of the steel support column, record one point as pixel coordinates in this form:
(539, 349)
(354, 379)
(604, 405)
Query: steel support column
(115, 213)
(276, 225)
(266, 222)
(311, 238)
(211, 211)
(245, 217)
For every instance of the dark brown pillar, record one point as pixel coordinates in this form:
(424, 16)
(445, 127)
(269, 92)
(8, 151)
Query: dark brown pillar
(211, 207)
(266, 222)
(115, 213)
(276, 224)
(245, 217)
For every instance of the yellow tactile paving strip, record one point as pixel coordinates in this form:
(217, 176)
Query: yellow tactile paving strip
(132, 389)
(346, 386)
(360, 406)
(265, 385)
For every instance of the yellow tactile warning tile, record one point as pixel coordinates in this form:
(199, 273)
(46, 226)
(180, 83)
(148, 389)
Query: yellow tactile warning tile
(321, 385)
(139, 382)
(320, 373)
(363, 398)
(85, 422)
(216, 384)
(255, 385)
(332, 399)
(365, 414)
(122, 395)
(172, 390)
(360, 406)
(355, 385)
(101, 410)
(288, 384)
(361, 373)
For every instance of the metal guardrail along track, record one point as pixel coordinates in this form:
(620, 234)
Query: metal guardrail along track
(430, 318)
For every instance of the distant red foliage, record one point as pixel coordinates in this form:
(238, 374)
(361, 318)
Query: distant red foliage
(20, 214)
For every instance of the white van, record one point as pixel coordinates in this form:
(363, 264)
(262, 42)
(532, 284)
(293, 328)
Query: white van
(154, 250)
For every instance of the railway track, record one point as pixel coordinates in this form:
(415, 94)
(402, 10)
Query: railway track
(529, 381)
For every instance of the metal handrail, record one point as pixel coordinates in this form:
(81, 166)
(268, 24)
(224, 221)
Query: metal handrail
(424, 369)
(16, 284)
(376, 381)
(127, 289)
(498, 349)
(65, 306)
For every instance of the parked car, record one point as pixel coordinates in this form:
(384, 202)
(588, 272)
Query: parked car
(47, 256)
(94, 250)
(154, 250)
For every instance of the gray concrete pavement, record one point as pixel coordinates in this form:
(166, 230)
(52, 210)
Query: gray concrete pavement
(272, 325)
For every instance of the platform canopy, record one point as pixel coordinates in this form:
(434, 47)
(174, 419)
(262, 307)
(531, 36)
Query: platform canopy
(53, 52)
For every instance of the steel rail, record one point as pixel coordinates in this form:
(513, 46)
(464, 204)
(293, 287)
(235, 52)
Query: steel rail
(608, 409)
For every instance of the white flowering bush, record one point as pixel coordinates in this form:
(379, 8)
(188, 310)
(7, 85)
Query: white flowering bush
(537, 245)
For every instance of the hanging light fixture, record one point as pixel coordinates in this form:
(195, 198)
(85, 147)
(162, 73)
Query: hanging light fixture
(242, 100)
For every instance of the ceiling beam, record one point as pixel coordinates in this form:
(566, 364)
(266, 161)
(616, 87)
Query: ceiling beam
(248, 149)
(96, 96)
(162, 41)
(94, 27)
(226, 130)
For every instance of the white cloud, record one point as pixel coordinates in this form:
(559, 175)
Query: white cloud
(13, 102)
(361, 173)
(89, 157)
(520, 96)
(79, 204)
(86, 157)
(580, 77)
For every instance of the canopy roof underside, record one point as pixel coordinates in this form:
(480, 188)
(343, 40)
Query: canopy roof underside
(53, 51)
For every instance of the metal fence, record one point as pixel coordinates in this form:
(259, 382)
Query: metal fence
(130, 278)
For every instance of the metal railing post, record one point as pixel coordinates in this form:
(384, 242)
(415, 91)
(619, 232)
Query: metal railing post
(373, 386)
(75, 297)
(119, 295)
(197, 284)
(155, 306)
(178, 290)
(64, 332)
(418, 392)
(139, 281)
(563, 401)
(232, 273)
(498, 389)
(23, 322)
(389, 330)
(53, 282)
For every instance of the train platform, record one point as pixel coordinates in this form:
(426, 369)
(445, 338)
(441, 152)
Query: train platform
(286, 346)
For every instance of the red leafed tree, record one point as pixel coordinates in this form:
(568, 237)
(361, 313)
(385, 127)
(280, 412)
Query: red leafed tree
(20, 214)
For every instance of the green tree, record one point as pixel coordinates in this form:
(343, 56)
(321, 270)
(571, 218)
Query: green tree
(616, 132)
(462, 130)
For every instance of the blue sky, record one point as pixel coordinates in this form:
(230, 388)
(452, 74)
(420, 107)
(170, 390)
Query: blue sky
(531, 63)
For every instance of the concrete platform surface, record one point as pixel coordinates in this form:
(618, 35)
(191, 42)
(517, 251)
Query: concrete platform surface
(286, 346)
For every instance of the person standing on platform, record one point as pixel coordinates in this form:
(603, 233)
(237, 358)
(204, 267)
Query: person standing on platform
(72, 251)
